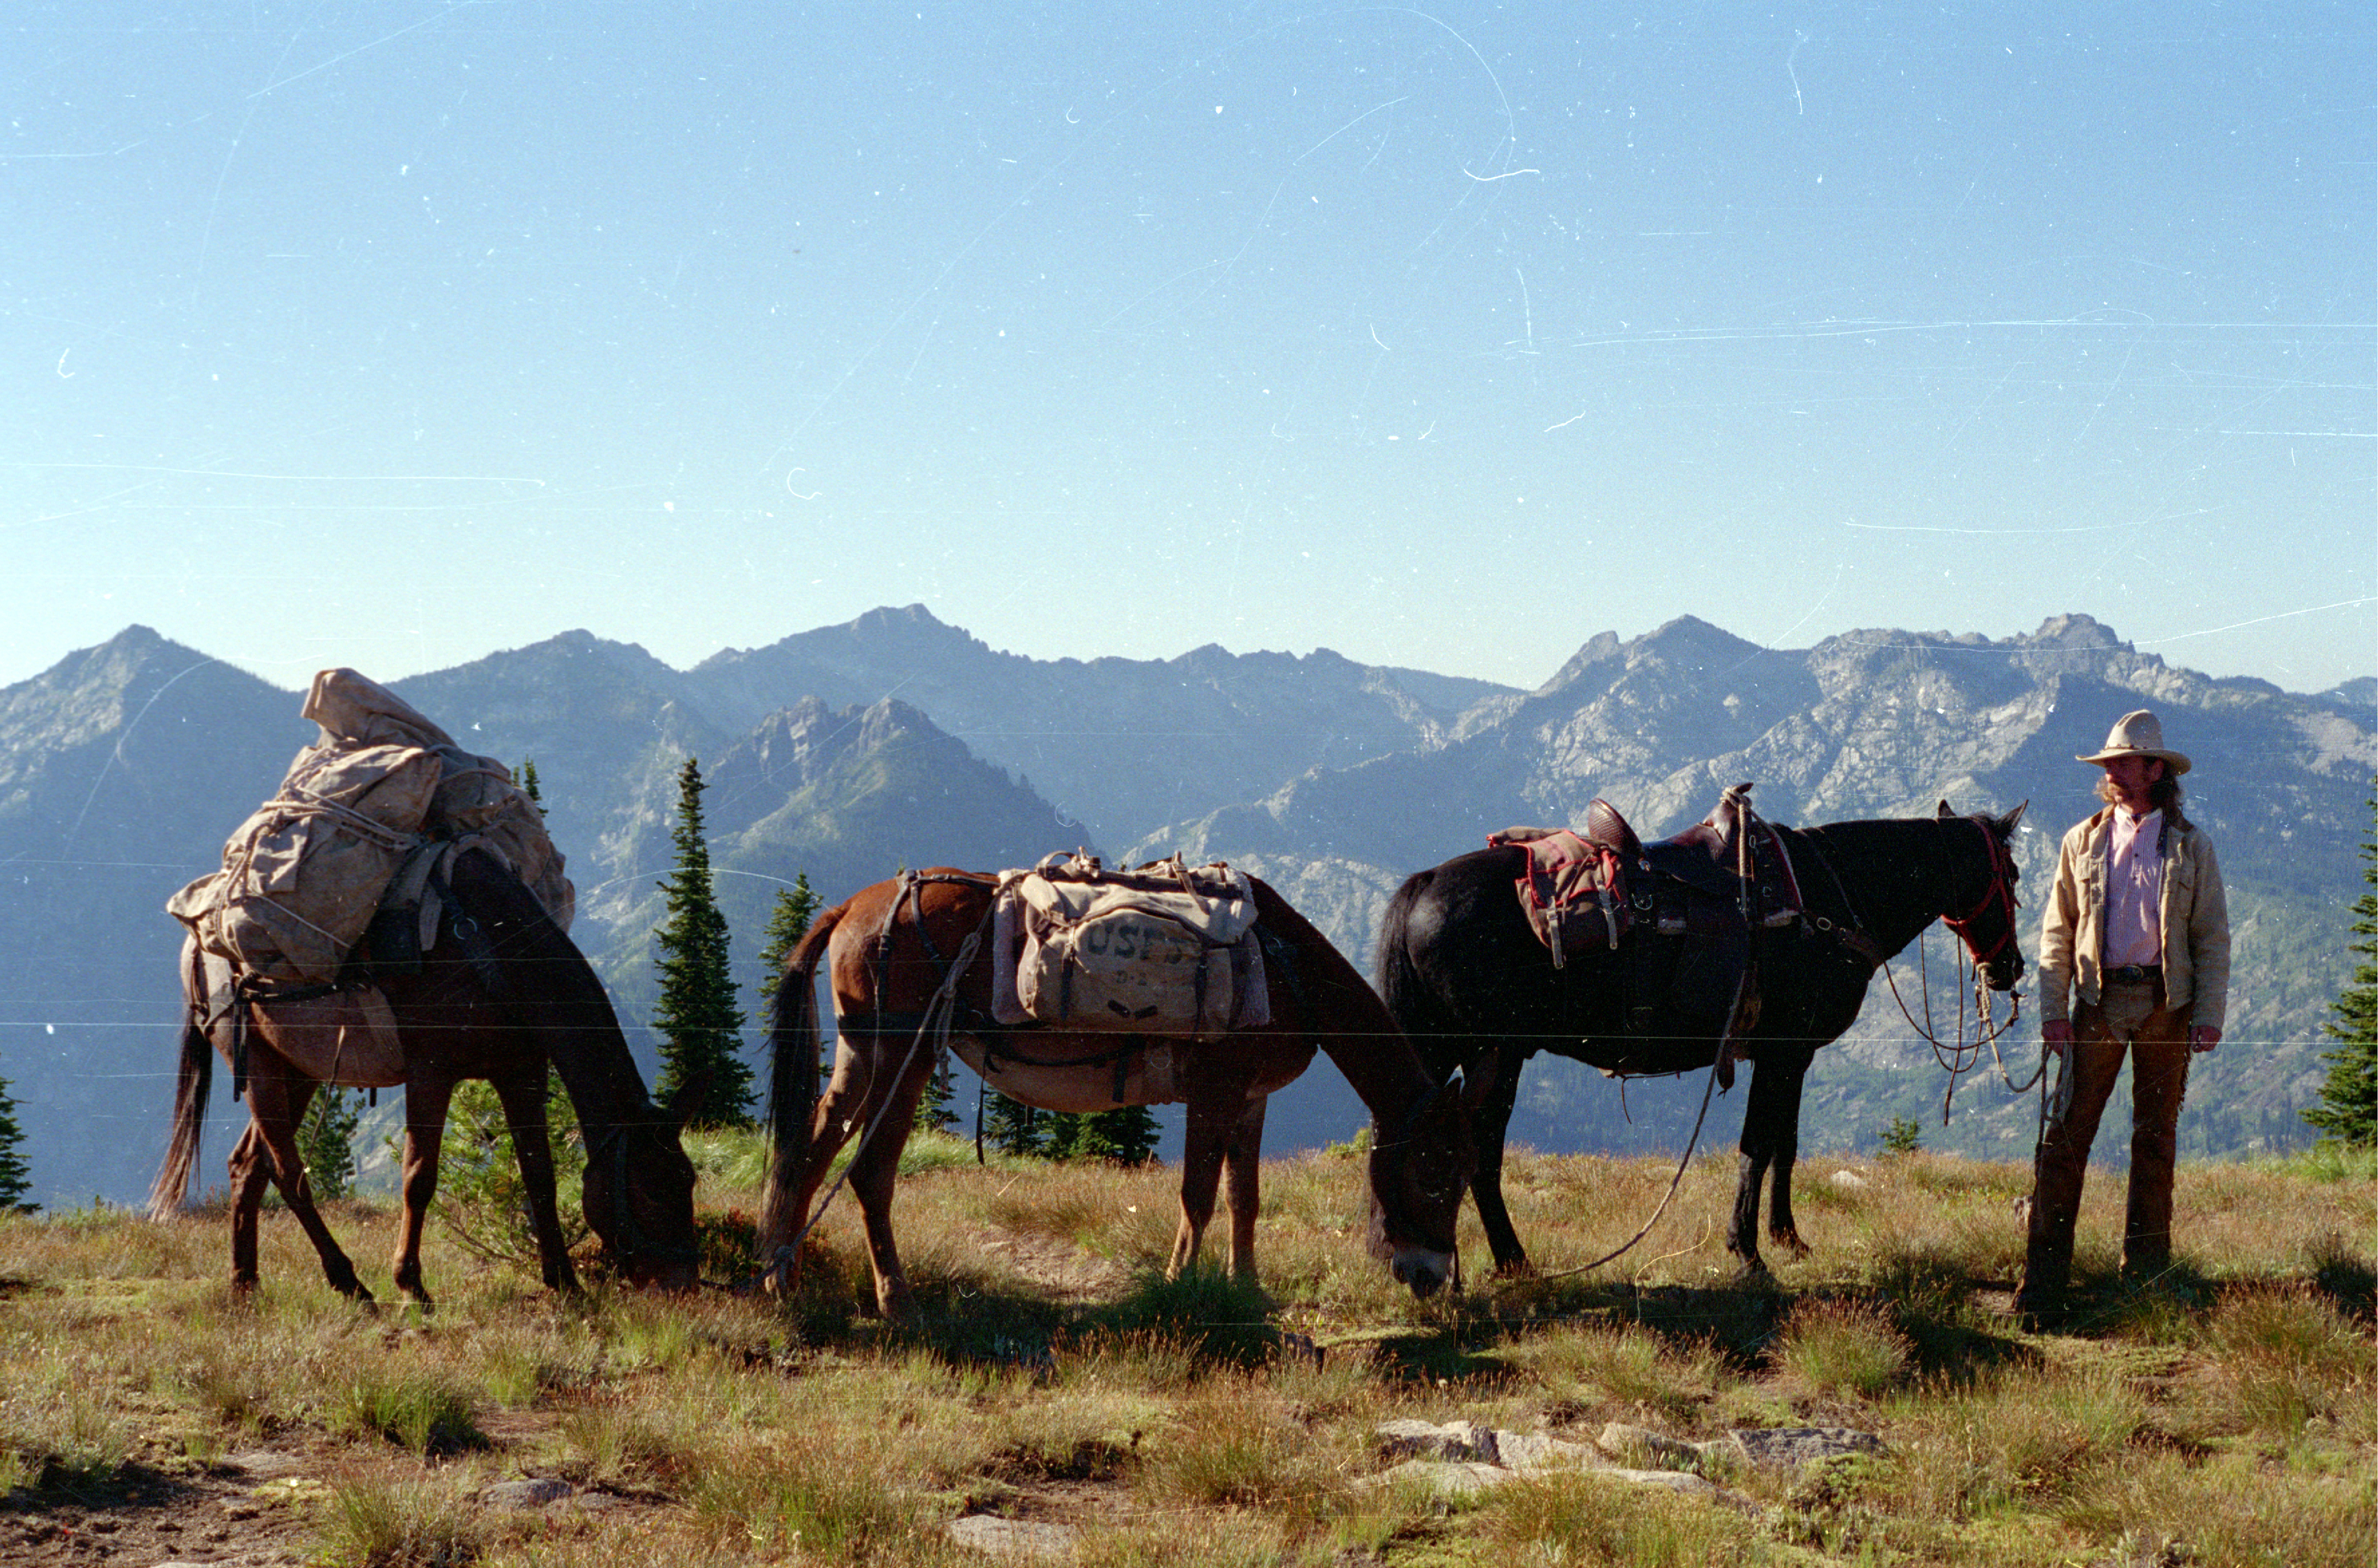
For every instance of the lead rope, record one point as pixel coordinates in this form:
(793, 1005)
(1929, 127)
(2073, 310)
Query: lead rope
(1956, 1058)
(1709, 1092)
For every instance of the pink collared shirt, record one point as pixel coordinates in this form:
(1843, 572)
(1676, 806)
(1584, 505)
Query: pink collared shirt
(2133, 891)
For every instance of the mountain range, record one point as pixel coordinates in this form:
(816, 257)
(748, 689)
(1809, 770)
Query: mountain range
(846, 752)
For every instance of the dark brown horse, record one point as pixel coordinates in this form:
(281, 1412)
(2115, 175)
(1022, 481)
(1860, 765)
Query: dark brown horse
(893, 947)
(1465, 974)
(502, 992)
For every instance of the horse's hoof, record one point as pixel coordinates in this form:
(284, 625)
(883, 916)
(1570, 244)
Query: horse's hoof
(1790, 1241)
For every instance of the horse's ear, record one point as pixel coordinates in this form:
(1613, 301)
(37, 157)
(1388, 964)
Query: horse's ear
(1944, 810)
(687, 1098)
(2007, 822)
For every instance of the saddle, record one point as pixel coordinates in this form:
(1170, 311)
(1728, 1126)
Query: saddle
(1163, 950)
(1584, 892)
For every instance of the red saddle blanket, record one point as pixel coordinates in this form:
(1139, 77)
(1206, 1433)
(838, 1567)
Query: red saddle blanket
(1573, 888)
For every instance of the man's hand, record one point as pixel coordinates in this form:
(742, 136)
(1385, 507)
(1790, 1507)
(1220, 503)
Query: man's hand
(2055, 1035)
(2203, 1038)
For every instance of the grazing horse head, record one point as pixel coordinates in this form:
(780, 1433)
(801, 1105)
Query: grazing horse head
(1419, 1171)
(1988, 885)
(639, 1198)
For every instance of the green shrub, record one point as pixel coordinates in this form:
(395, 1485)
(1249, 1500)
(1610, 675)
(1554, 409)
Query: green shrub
(481, 1198)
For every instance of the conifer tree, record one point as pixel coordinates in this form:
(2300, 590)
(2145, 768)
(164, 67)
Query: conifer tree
(788, 922)
(326, 1140)
(937, 1108)
(15, 1176)
(701, 1027)
(1126, 1134)
(1013, 1128)
(2347, 1111)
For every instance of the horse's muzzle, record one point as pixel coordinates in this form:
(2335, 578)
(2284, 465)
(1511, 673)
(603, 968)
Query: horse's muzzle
(1424, 1271)
(672, 1275)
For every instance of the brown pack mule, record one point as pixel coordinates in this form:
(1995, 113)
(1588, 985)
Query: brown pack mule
(899, 952)
(501, 993)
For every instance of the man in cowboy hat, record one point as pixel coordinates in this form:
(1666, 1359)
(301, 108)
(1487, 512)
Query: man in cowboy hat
(2135, 941)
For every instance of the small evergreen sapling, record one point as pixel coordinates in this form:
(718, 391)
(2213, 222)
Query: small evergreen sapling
(326, 1140)
(1013, 1128)
(15, 1176)
(2347, 1111)
(480, 1195)
(1126, 1135)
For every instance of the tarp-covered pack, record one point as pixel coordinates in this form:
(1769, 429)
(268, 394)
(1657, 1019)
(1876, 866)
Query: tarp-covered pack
(1165, 950)
(302, 877)
(346, 1038)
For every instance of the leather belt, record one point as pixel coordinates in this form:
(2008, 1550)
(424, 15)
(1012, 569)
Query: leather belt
(2135, 975)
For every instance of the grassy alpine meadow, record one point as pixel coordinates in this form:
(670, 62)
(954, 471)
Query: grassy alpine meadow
(1057, 1388)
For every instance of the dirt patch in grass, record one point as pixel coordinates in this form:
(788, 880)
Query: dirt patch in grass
(246, 1508)
(259, 1507)
(1065, 1273)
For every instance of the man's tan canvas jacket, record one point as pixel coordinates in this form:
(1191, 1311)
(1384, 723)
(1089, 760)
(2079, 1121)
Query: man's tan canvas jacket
(2195, 915)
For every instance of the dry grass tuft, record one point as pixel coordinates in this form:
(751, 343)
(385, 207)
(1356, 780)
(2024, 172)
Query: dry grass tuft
(1229, 1443)
(1841, 1347)
(416, 1522)
(1584, 1518)
(2285, 1356)
(1627, 1372)
(421, 1411)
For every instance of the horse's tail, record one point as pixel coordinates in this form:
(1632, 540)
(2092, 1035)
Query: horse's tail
(189, 1113)
(1401, 986)
(793, 1078)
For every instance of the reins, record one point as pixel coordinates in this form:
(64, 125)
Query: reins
(1956, 1057)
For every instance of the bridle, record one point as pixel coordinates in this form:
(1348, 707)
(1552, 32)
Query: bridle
(1999, 894)
(1958, 1058)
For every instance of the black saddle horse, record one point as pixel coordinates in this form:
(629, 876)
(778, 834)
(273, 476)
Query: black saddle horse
(1465, 974)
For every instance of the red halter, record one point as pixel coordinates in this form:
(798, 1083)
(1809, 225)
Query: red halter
(2001, 891)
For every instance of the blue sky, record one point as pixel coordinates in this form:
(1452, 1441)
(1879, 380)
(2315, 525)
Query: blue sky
(392, 333)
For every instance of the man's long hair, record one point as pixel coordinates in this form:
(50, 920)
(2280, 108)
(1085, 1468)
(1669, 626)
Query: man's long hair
(2163, 796)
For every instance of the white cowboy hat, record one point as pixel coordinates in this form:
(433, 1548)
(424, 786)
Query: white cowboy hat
(2138, 735)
